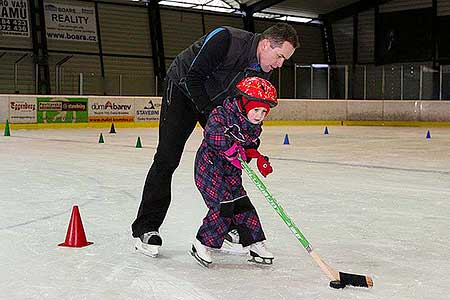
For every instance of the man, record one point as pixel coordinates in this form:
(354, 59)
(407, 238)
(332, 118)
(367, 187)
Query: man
(198, 80)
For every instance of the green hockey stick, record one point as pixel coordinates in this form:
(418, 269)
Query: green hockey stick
(338, 279)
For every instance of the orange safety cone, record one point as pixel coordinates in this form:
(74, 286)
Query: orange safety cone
(75, 236)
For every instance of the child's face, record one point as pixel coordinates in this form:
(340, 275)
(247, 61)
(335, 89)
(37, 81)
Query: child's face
(256, 115)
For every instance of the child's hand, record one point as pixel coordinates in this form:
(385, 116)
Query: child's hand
(264, 166)
(262, 162)
(232, 154)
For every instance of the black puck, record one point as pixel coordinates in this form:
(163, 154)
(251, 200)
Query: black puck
(336, 284)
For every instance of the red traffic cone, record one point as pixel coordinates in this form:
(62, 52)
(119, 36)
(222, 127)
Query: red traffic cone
(75, 236)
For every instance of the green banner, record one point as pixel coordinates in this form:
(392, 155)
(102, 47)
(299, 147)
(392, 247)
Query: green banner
(62, 110)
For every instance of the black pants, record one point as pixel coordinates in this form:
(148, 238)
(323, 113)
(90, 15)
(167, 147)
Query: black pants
(177, 121)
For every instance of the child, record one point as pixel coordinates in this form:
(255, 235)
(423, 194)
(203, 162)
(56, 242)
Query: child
(232, 130)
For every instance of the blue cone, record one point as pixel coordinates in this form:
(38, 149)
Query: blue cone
(286, 139)
(428, 135)
(326, 130)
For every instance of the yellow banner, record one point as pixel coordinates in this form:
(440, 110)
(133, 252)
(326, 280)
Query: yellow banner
(111, 118)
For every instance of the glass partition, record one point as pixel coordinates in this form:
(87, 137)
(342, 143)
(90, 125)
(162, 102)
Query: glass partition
(409, 81)
(444, 83)
(390, 82)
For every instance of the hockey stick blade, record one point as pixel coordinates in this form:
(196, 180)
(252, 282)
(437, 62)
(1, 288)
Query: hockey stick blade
(333, 275)
(355, 280)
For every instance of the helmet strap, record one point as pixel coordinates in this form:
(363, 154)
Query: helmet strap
(241, 104)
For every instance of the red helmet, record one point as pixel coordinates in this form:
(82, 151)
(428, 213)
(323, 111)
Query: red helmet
(258, 89)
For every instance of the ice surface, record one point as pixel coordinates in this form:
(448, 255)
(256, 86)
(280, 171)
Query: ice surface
(371, 200)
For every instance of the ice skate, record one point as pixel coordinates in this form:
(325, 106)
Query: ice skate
(201, 253)
(259, 254)
(231, 244)
(149, 244)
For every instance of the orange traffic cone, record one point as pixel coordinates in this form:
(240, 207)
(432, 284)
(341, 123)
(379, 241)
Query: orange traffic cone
(75, 236)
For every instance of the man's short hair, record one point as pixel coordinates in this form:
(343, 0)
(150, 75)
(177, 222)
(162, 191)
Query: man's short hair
(280, 33)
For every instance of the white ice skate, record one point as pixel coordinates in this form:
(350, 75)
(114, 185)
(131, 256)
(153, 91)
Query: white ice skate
(201, 253)
(149, 244)
(231, 244)
(259, 254)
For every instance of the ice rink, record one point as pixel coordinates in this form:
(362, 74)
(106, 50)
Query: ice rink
(371, 200)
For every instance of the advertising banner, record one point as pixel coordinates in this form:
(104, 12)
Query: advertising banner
(22, 109)
(3, 108)
(14, 20)
(70, 22)
(104, 109)
(62, 110)
(147, 109)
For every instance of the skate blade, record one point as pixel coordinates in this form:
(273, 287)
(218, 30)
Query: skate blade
(199, 260)
(261, 260)
(148, 250)
(232, 248)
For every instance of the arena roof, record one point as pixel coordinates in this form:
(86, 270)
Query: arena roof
(287, 10)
